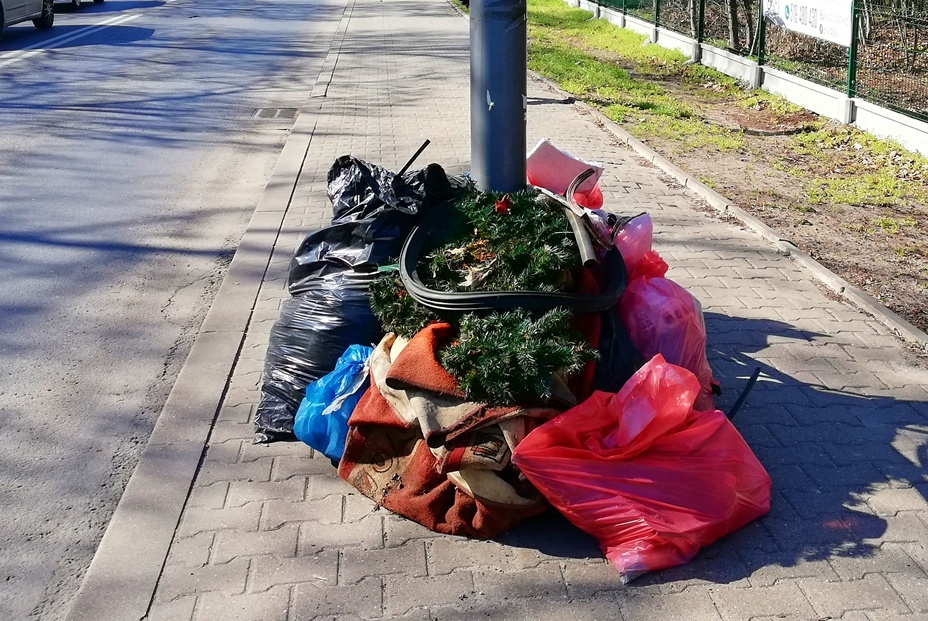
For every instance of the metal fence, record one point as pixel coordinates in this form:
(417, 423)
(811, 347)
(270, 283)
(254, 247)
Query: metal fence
(886, 62)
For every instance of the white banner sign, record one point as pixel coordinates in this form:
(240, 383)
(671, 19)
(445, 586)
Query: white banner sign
(823, 19)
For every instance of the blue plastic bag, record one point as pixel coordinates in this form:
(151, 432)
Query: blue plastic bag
(322, 418)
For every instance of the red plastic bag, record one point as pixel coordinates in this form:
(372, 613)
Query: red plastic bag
(634, 241)
(664, 318)
(650, 477)
(661, 316)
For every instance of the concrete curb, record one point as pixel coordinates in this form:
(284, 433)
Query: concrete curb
(121, 580)
(899, 326)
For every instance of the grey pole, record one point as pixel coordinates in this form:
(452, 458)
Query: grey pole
(497, 94)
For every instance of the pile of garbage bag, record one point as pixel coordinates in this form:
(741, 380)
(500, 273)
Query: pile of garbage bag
(373, 211)
(631, 448)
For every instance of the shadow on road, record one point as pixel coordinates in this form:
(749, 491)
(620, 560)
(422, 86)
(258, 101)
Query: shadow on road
(89, 7)
(29, 38)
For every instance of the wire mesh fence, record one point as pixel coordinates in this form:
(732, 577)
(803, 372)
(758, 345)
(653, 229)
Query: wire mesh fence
(680, 16)
(643, 9)
(731, 24)
(888, 66)
(816, 60)
(892, 55)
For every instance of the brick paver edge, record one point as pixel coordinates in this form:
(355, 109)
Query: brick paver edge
(123, 575)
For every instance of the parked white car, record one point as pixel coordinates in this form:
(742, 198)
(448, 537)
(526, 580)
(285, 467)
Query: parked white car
(41, 12)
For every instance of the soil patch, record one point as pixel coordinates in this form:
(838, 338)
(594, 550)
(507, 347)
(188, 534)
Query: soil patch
(759, 120)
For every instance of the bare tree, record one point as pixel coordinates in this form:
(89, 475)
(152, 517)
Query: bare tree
(734, 32)
(693, 10)
(865, 19)
(749, 21)
(910, 20)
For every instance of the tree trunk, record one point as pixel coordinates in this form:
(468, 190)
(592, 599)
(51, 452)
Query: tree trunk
(865, 20)
(749, 16)
(734, 32)
(694, 17)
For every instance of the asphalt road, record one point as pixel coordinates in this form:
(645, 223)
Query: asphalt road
(130, 165)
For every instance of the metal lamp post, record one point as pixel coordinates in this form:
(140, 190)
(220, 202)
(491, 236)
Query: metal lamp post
(498, 94)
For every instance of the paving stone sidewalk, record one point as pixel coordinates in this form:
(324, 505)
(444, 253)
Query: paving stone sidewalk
(839, 418)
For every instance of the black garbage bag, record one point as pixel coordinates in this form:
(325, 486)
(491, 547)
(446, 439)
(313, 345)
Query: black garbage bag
(360, 190)
(329, 278)
(374, 210)
(354, 246)
(618, 358)
(311, 332)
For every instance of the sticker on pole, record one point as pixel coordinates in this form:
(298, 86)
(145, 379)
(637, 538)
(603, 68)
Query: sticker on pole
(829, 20)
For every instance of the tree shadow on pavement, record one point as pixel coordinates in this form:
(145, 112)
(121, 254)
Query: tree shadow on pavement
(845, 465)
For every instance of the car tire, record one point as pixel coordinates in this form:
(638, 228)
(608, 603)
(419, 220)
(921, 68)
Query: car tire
(76, 4)
(47, 18)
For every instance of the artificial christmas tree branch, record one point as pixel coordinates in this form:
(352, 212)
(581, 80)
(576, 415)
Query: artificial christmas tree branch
(495, 242)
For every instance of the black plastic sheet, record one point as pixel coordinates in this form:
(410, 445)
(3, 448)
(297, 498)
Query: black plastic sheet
(618, 358)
